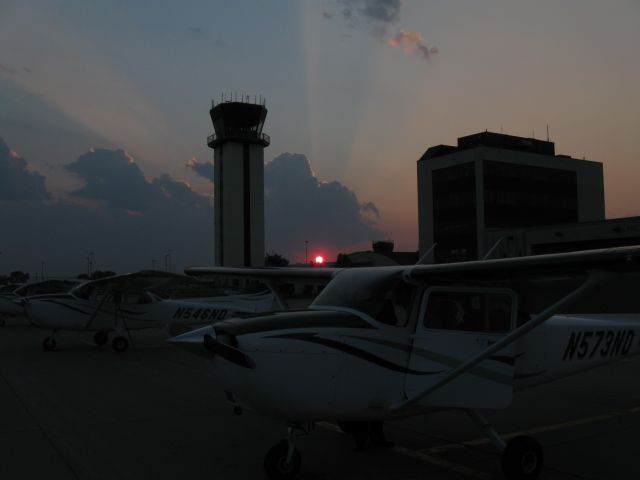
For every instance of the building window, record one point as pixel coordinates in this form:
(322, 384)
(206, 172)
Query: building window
(454, 213)
(524, 195)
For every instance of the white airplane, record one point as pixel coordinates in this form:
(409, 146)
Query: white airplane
(380, 343)
(10, 305)
(148, 299)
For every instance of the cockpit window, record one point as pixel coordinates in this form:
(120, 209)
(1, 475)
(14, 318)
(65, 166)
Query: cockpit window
(382, 295)
(469, 311)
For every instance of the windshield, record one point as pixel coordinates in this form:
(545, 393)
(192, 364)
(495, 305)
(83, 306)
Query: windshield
(379, 293)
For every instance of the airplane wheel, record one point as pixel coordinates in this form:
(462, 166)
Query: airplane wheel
(522, 459)
(275, 462)
(49, 344)
(120, 344)
(100, 338)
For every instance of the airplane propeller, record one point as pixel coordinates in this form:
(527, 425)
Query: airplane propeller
(227, 352)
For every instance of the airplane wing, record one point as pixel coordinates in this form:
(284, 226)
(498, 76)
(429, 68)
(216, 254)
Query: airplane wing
(618, 259)
(540, 279)
(284, 274)
(163, 284)
(270, 276)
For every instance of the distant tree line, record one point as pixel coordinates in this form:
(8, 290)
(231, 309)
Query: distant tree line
(98, 274)
(275, 260)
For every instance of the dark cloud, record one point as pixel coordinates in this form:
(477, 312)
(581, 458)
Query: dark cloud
(129, 222)
(113, 177)
(11, 71)
(383, 11)
(202, 169)
(17, 182)
(327, 15)
(194, 30)
(378, 16)
(300, 207)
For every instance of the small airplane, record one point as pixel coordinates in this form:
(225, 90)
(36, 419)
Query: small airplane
(384, 342)
(148, 299)
(10, 305)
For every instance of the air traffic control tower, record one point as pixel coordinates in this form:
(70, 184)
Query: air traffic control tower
(238, 145)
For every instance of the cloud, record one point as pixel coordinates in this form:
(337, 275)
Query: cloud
(202, 169)
(11, 71)
(111, 176)
(17, 182)
(114, 179)
(379, 16)
(300, 207)
(412, 43)
(129, 222)
(385, 11)
(194, 30)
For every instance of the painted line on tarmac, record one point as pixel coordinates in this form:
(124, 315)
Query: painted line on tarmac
(543, 429)
(422, 456)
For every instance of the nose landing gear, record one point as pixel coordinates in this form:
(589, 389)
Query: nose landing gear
(282, 461)
(49, 344)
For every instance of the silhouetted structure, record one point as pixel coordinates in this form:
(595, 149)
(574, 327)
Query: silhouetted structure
(493, 181)
(238, 144)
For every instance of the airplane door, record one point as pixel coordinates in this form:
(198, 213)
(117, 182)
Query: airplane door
(454, 325)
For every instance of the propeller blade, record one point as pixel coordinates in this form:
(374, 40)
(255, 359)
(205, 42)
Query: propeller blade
(228, 353)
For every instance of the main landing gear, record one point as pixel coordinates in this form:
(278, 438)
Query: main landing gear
(49, 344)
(282, 461)
(100, 338)
(119, 342)
(522, 456)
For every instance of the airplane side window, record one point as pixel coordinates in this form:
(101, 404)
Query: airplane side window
(468, 311)
(395, 309)
(84, 292)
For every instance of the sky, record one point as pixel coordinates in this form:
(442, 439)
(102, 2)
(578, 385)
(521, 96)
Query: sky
(104, 114)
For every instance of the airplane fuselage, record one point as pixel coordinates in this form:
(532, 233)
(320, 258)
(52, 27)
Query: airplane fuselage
(320, 370)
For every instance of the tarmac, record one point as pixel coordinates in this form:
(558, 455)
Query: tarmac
(87, 412)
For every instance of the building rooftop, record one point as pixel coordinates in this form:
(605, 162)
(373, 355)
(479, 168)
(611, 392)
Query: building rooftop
(493, 140)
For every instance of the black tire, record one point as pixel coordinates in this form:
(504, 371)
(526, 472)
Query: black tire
(49, 344)
(120, 344)
(360, 432)
(522, 459)
(275, 465)
(101, 337)
(346, 427)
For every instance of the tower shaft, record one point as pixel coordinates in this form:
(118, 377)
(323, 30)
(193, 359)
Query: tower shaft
(238, 145)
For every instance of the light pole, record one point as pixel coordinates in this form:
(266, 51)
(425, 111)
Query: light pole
(90, 264)
(42, 270)
(306, 252)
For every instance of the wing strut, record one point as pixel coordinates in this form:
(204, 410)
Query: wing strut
(595, 279)
(106, 296)
(282, 302)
